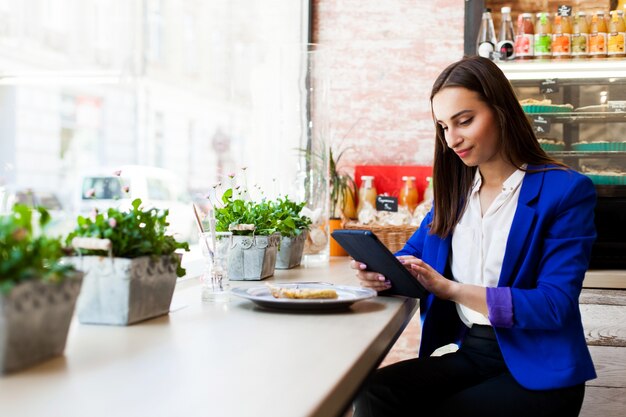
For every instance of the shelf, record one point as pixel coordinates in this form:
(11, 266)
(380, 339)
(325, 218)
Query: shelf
(583, 117)
(586, 154)
(583, 71)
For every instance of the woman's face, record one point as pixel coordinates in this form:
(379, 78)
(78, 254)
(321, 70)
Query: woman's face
(470, 126)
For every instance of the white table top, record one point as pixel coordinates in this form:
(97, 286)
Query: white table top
(219, 360)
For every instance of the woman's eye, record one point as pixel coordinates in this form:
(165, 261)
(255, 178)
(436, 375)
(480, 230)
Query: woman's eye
(466, 121)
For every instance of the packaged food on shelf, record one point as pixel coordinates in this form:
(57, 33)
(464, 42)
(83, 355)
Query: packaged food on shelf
(544, 106)
(599, 146)
(551, 144)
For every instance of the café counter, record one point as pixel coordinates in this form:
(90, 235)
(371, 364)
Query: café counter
(232, 359)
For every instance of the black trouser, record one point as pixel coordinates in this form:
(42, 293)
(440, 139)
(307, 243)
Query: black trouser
(473, 381)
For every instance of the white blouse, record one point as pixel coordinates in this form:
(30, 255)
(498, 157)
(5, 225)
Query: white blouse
(479, 242)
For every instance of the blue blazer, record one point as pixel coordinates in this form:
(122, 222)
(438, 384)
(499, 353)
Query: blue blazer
(546, 256)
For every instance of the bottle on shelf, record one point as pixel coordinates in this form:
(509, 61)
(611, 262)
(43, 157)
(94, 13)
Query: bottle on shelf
(429, 192)
(486, 41)
(562, 33)
(525, 37)
(580, 36)
(543, 36)
(408, 194)
(616, 34)
(506, 37)
(367, 194)
(597, 35)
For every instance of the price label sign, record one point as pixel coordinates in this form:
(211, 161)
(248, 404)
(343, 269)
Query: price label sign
(564, 10)
(548, 86)
(617, 105)
(541, 125)
(386, 203)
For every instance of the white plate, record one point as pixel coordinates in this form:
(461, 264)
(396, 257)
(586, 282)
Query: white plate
(346, 296)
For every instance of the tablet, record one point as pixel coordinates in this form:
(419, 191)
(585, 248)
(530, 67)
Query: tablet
(364, 246)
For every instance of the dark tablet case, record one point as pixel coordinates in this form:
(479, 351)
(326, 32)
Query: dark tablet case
(364, 246)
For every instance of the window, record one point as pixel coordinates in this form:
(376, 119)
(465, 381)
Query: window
(200, 88)
(102, 188)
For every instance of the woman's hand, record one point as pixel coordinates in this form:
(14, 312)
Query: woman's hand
(370, 279)
(432, 280)
(472, 296)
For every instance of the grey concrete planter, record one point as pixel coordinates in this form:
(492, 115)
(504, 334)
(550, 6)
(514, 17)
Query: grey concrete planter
(290, 251)
(34, 320)
(124, 291)
(252, 258)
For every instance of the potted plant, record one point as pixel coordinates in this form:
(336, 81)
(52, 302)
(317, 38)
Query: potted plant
(130, 265)
(293, 228)
(342, 198)
(255, 237)
(37, 291)
(342, 190)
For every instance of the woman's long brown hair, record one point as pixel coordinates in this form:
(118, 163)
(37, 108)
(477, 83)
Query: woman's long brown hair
(452, 179)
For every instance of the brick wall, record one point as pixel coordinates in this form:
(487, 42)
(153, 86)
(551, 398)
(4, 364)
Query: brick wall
(383, 59)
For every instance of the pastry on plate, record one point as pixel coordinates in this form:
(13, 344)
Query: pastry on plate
(302, 293)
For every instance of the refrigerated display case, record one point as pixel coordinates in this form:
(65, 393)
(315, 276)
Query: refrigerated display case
(578, 111)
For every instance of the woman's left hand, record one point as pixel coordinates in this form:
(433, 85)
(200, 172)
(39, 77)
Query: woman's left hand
(432, 280)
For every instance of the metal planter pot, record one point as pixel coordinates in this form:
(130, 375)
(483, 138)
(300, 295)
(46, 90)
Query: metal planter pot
(252, 258)
(290, 251)
(122, 291)
(34, 320)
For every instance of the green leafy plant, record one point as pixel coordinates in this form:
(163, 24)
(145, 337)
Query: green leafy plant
(238, 212)
(287, 216)
(267, 217)
(24, 255)
(134, 233)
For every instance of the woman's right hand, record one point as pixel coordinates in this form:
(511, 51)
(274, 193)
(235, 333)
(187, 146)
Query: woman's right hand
(370, 279)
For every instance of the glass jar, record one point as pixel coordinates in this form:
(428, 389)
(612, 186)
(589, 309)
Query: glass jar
(215, 248)
(408, 194)
(367, 194)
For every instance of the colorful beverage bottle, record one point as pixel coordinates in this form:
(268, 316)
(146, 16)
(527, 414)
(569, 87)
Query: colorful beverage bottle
(543, 36)
(616, 34)
(506, 37)
(486, 41)
(562, 34)
(597, 35)
(580, 36)
(367, 193)
(525, 37)
(408, 194)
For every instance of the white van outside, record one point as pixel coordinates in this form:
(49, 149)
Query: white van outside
(157, 187)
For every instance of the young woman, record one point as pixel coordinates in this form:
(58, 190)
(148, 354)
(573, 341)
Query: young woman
(503, 254)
